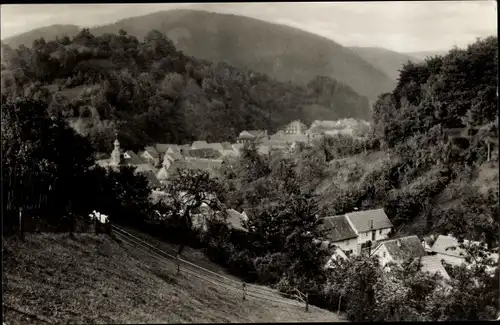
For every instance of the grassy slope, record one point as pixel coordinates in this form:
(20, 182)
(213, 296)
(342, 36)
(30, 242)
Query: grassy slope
(280, 51)
(94, 279)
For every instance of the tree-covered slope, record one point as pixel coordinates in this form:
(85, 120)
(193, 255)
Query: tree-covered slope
(152, 92)
(48, 32)
(282, 52)
(387, 61)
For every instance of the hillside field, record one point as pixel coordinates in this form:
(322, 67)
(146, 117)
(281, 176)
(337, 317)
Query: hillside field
(96, 279)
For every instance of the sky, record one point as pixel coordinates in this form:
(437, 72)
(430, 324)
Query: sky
(402, 26)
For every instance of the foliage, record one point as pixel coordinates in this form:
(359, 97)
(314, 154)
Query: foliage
(152, 92)
(46, 155)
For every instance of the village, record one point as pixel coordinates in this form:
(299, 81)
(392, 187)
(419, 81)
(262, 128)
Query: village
(357, 233)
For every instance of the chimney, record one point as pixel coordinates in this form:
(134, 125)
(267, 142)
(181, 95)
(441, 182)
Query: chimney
(371, 224)
(398, 242)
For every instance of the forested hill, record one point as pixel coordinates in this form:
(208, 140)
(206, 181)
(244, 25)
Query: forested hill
(282, 52)
(387, 61)
(153, 92)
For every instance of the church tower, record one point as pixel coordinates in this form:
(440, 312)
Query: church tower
(115, 155)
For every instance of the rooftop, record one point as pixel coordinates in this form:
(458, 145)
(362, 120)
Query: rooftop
(448, 245)
(250, 134)
(207, 153)
(151, 177)
(152, 151)
(338, 228)
(367, 220)
(131, 158)
(403, 248)
(433, 265)
(163, 147)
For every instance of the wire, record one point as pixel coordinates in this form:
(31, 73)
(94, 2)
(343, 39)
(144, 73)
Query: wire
(201, 268)
(137, 242)
(38, 317)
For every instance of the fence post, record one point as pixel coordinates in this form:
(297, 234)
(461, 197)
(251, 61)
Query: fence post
(338, 310)
(108, 227)
(307, 301)
(96, 223)
(244, 290)
(71, 224)
(21, 224)
(178, 264)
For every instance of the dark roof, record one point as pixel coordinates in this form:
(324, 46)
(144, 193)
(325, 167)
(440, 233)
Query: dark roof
(152, 151)
(207, 153)
(405, 247)
(163, 147)
(338, 228)
(364, 220)
(151, 177)
(134, 158)
(174, 154)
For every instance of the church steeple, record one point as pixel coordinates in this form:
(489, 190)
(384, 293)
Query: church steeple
(116, 153)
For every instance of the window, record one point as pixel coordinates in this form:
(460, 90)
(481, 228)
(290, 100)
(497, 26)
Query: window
(380, 232)
(383, 254)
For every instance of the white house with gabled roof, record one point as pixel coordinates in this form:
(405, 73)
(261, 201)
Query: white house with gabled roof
(369, 225)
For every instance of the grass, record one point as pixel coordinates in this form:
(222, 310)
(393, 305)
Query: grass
(95, 279)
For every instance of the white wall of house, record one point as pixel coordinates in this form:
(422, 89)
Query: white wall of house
(380, 234)
(152, 160)
(348, 245)
(383, 256)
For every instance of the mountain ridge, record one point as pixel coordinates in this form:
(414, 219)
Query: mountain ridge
(281, 51)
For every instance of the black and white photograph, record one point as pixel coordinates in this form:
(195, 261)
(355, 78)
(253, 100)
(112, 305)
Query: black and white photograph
(249, 162)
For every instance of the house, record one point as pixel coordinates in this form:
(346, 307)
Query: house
(447, 248)
(235, 220)
(398, 250)
(205, 145)
(370, 226)
(130, 158)
(237, 147)
(295, 127)
(338, 254)
(171, 155)
(151, 155)
(288, 139)
(263, 150)
(252, 136)
(161, 148)
(204, 153)
(275, 144)
(228, 150)
(199, 144)
(153, 181)
(432, 264)
(340, 233)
